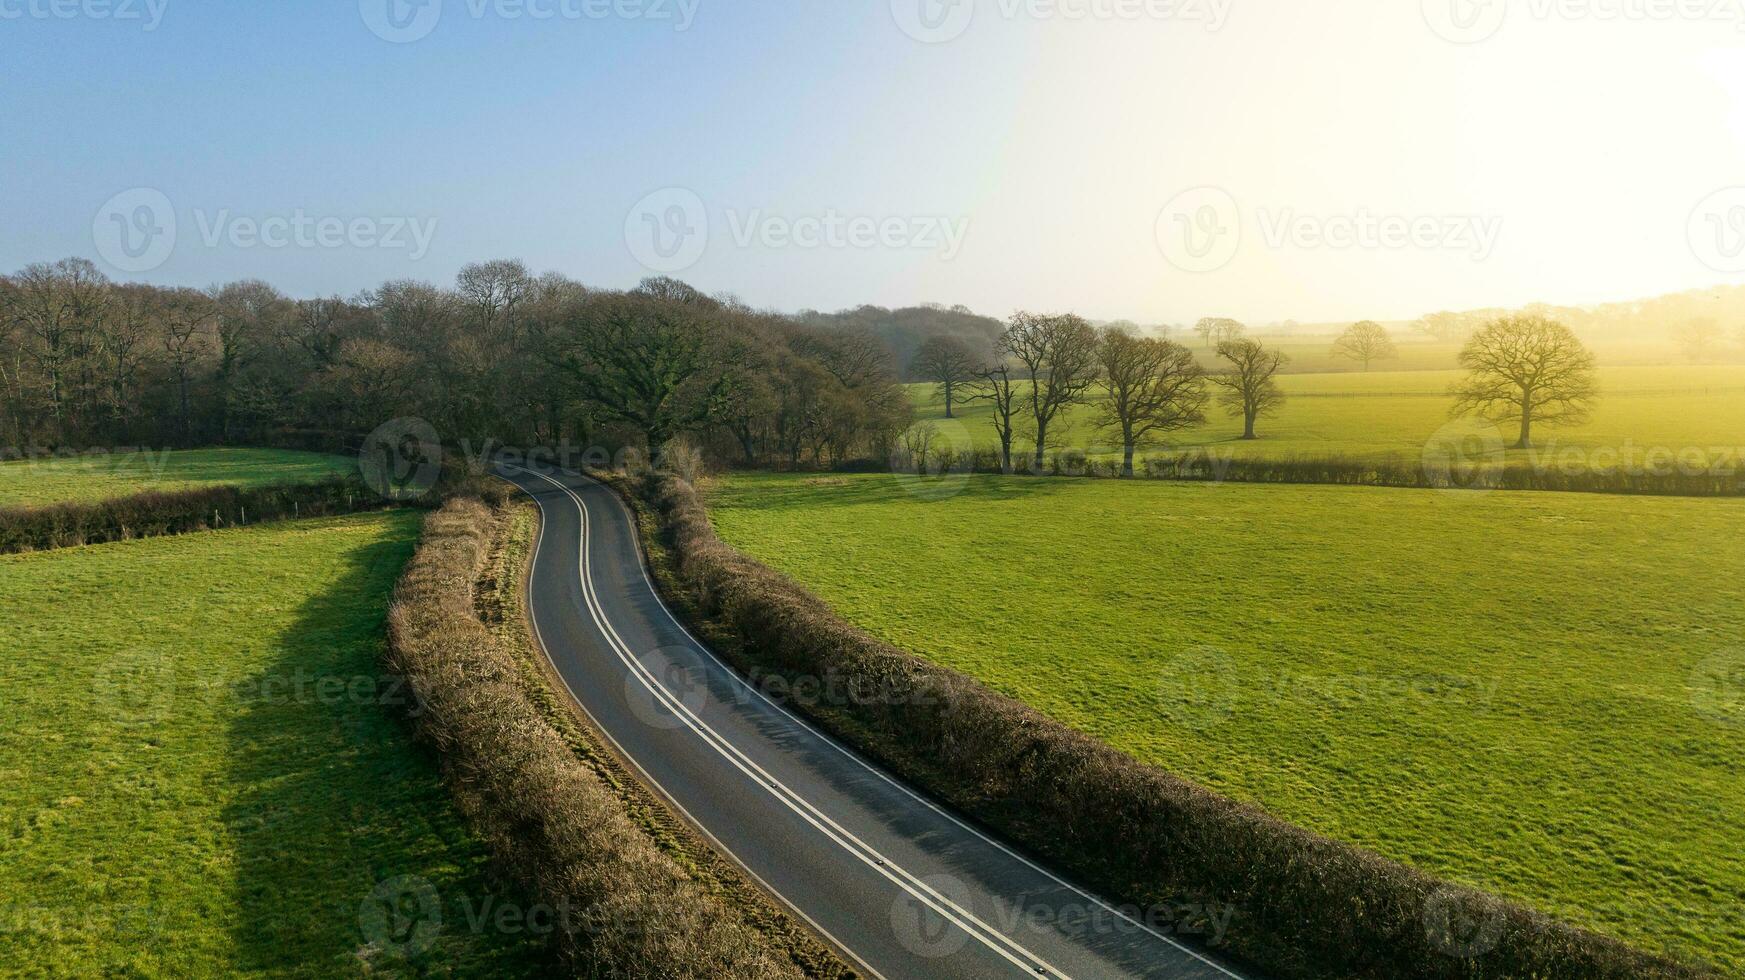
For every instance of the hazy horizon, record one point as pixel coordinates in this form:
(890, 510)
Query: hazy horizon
(1381, 161)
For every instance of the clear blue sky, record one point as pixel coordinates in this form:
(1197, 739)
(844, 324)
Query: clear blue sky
(1055, 145)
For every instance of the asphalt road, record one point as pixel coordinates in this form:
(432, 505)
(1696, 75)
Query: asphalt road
(901, 887)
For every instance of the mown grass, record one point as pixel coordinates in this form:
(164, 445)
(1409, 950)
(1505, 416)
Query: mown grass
(1396, 413)
(1539, 694)
(102, 475)
(199, 774)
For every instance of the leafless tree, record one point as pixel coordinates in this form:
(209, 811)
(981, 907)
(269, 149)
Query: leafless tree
(996, 386)
(187, 318)
(1445, 326)
(1250, 388)
(949, 364)
(1058, 355)
(1365, 341)
(1215, 330)
(1701, 339)
(1151, 386)
(55, 306)
(1526, 370)
(492, 290)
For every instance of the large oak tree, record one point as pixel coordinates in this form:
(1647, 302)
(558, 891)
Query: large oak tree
(1525, 370)
(1150, 386)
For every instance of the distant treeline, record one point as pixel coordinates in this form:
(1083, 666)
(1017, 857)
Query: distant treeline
(503, 355)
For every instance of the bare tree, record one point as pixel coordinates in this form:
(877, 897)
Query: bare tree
(54, 306)
(187, 316)
(1701, 339)
(1365, 341)
(996, 386)
(1152, 386)
(1250, 388)
(1058, 355)
(1444, 326)
(492, 290)
(1215, 330)
(948, 363)
(1526, 369)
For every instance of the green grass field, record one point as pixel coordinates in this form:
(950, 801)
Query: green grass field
(1541, 694)
(99, 476)
(1395, 413)
(197, 774)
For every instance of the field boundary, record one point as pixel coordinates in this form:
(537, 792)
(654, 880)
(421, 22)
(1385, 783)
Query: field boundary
(1306, 905)
(1453, 474)
(548, 814)
(159, 514)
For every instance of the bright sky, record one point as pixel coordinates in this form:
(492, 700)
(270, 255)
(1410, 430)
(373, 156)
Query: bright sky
(1012, 157)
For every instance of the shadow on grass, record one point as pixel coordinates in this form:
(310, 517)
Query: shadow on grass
(333, 799)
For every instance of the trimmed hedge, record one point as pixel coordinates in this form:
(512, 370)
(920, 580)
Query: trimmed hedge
(633, 912)
(1306, 905)
(154, 514)
(1199, 465)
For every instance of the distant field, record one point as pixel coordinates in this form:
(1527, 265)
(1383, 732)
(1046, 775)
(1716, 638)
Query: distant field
(196, 777)
(1542, 694)
(1395, 413)
(98, 476)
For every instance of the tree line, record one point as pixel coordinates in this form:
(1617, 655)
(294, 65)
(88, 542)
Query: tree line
(1521, 370)
(501, 355)
(506, 356)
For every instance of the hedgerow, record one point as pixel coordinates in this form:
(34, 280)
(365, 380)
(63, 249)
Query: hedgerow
(552, 825)
(154, 514)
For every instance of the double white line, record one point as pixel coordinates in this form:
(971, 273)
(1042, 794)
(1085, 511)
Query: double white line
(993, 939)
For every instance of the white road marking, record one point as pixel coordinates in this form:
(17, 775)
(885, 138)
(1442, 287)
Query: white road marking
(881, 774)
(988, 936)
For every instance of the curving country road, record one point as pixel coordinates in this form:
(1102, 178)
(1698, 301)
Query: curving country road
(898, 885)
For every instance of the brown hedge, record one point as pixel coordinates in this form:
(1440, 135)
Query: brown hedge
(147, 515)
(544, 814)
(1305, 905)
